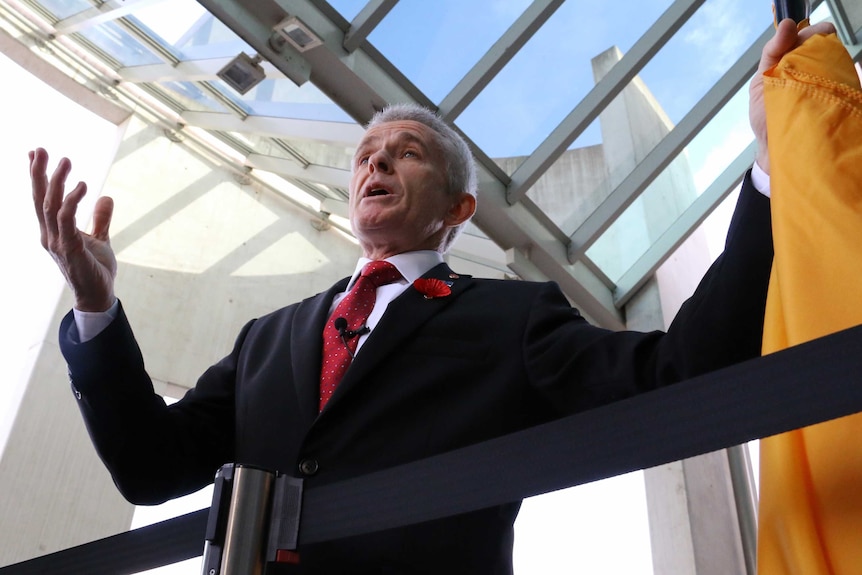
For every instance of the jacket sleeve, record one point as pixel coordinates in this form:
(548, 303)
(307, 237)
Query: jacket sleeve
(578, 366)
(153, 451)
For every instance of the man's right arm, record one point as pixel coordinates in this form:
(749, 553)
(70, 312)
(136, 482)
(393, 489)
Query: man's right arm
(154, 451)
(89, 324)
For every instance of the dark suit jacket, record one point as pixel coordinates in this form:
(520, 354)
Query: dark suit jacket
(489, 359)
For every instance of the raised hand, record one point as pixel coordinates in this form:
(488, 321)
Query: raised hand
(786, 38)
(86, 260)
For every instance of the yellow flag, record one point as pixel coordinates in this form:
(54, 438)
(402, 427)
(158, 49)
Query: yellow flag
(810, 520)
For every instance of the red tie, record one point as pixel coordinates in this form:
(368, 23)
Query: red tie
(339, 345)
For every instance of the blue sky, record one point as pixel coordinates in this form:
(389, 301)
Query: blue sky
(548, 77)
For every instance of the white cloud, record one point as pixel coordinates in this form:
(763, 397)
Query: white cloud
(718, 32)
(722, 154)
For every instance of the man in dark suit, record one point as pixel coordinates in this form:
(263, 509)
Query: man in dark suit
(438, 364)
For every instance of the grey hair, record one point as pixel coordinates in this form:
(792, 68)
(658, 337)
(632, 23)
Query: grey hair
(460, 167)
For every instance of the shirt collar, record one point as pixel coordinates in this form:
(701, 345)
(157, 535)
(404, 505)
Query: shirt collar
(412, 265)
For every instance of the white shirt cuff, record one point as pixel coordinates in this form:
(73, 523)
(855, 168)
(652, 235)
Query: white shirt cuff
(90, 324)
(760, 179)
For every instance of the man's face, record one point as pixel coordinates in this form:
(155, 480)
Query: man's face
(398, 191)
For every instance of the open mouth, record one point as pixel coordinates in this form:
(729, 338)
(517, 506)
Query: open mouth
(375, 191)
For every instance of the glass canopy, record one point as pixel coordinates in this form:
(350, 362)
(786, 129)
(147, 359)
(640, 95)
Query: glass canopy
(613, 93)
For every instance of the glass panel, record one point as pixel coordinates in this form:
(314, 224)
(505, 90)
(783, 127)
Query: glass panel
(436, 45)
(121, 45)
(548, 77)
(575, 185)
(689, 175)
(348, 8)
(283, 99)
(65, 8)
(636, 121)
(701, 52)
(209, 38)
(645, 220)
(311, 152)
(171, 21)
(822, 12)
(191, 97)
(720, 141)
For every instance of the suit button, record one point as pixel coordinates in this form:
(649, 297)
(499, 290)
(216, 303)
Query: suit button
(308, 466)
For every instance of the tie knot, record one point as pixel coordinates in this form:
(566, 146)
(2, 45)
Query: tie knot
(380, 273)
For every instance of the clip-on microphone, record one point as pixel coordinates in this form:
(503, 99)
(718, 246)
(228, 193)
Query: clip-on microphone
(341, 325)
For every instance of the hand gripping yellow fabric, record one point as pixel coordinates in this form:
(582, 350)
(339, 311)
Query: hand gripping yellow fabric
(810, 520)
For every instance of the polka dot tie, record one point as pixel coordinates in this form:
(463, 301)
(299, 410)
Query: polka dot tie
(340, 345)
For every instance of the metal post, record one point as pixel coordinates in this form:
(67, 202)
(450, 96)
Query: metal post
(742, 479)
(238, 525)
(247, 522)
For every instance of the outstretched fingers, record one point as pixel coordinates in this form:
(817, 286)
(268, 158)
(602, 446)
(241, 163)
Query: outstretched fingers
(39, 184)
(67, 237)
(60, 210)
(102, 213)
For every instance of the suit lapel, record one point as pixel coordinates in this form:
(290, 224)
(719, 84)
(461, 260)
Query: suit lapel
(404, 315)
(306, 343)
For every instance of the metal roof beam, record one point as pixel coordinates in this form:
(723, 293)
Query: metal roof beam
(497, 57)
(666, 150)
(106, 12)
(365, 22)
(599, 97)
(678, 232)
(291, 169)
(339, 133)
(541, 254)
(846, 30)
(186, 71)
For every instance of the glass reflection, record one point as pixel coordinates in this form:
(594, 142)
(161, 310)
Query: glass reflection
(304, 152)
(575, 185)
(701, 52)
(709, 153)
(207, 37)
(172, 21)
(191, 97)
(65, 8)
(282, 98)
(436, 46)
(122, 46)
(348, 8)
(552, 73)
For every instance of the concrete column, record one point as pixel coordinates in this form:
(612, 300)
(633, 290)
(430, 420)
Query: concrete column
(199, 253)
(694, 528)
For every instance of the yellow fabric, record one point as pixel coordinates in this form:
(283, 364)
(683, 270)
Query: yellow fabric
(810, 520)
